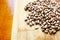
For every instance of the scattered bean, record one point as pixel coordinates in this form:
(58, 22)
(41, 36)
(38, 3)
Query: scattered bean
(44, 13)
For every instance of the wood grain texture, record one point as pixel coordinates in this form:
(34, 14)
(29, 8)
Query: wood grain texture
(5, 21)
(22, 30)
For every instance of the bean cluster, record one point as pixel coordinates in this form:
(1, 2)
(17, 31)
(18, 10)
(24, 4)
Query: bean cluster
(44, 13)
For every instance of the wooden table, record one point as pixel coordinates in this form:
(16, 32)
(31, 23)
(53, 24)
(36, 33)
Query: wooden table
(20, 31)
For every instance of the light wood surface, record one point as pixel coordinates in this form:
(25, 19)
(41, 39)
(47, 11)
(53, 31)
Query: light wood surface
(21, 31)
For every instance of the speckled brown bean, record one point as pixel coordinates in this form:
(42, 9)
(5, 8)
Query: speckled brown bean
(38, 10)
(34, 3)
(58, 9)
(36, 15)
(53, 14)
(36, 28)
(53, 4)
(37, 22)
(30, 20)
(30, 9)
(54, 31)
(49, 26)
(25, 8)
(31, 14)
(40, 23)
(25, 20)
(43, 30)
(56, 24)
(50, 32)
(52, 26)
(46, 26)
(46, 31)
(58, 28)
(33, 22)
(49, 16)
(43, 27)
(30, 24)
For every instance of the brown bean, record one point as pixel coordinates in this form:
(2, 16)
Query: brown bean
(26, 8)
(29, 9)
(50, 31)
(46, 31)
(58, 28)
(36, 28)
(53, 14)
(43, 30)
(30, 24)
(54, 31)
(25, 20)
(52, 26)
(58, 9)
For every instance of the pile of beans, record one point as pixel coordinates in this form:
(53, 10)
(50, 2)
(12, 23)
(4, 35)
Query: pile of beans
(44, 13)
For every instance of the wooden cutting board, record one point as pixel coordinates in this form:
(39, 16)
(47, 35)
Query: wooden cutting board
(21, 31)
